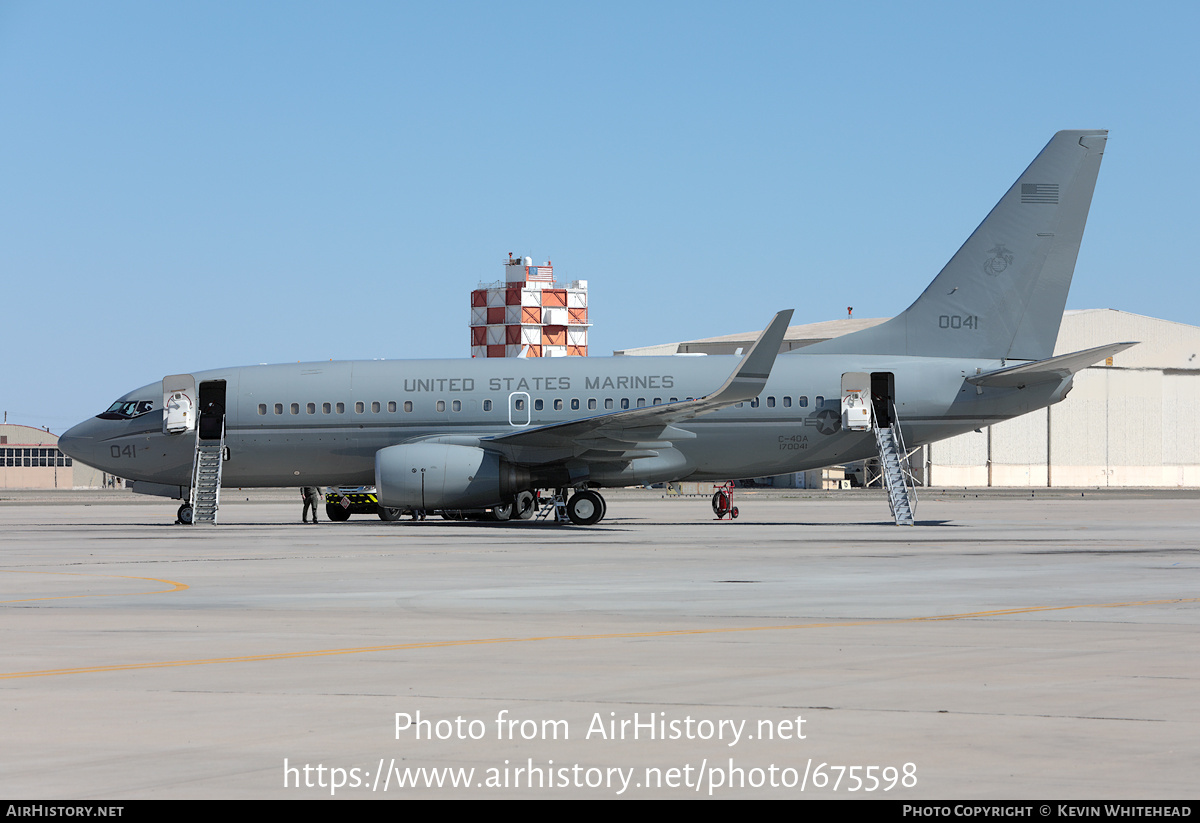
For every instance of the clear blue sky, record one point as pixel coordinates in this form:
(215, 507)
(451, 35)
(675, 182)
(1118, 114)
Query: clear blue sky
(193, 185)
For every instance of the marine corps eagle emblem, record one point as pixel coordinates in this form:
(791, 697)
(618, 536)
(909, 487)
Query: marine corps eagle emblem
(1000, 260)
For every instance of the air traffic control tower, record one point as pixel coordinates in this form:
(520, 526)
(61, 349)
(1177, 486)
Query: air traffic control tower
(527, 309)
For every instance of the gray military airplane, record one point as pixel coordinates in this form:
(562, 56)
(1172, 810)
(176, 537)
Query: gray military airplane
(974, 349)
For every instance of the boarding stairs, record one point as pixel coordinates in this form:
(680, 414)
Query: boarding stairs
(894, 468)
(206, 478)
(556, 506)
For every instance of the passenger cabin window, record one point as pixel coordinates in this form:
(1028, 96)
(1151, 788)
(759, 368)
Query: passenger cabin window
(374, 407)
(537, 404)
(803, 400)
(441, 405)
(456, 405)
(279, 408)
(558, 405)
(487, 405)
(591, 404)
(326, 408)
(770, 402)
(295, 408)
(341, 408)
(408, 405)
(608, 402)
(311, 408)
(574, 404)
(359, 408)
(262, 408)
(787, 402)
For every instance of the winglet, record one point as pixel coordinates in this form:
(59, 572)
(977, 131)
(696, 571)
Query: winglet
(750, 377)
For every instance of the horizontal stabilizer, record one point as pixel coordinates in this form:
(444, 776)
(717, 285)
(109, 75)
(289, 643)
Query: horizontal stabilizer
(1042, 371)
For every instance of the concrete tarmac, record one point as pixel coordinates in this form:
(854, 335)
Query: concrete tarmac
(1007, 647)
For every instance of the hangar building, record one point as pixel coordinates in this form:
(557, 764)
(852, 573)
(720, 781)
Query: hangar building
(1134, 421)
(30, 459)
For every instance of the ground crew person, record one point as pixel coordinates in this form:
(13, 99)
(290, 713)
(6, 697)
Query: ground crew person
(312, 497)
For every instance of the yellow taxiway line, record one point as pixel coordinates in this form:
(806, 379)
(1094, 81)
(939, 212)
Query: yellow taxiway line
(175, 586)
(613, 636)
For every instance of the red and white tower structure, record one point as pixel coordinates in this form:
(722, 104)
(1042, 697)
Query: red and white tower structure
(527, 308)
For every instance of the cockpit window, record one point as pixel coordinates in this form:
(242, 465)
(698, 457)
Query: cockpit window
(127, 409)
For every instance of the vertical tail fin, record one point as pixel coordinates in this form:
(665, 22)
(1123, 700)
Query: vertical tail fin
(1002, 294)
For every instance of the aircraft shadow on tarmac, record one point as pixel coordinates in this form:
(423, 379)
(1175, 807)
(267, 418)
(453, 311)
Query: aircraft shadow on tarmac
(525, 525)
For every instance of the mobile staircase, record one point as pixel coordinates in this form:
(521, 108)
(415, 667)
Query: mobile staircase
(554, 506)
(206, 477)
(895, 470)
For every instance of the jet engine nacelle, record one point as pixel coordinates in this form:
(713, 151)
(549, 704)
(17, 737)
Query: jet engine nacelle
(444, 476)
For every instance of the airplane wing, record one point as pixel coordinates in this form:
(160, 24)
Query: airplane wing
(630, 433)
(1053, 368)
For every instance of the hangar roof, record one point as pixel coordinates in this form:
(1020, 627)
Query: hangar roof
(796, 337)
(16, 434)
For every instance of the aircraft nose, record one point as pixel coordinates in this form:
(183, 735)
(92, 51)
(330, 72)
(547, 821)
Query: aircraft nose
(78, 442)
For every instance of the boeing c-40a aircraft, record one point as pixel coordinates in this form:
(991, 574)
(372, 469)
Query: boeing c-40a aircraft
(974, 349)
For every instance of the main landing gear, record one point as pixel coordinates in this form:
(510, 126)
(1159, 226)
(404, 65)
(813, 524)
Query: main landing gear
(521, 507)
(581, 507)
(183, 517)
(586, 508)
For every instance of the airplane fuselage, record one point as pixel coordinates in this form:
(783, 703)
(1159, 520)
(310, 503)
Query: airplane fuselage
(322, 423)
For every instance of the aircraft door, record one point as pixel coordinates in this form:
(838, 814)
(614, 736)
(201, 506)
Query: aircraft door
(883, 396)
(519, 413)
(212, 409)
(856, 401)
(179, 404)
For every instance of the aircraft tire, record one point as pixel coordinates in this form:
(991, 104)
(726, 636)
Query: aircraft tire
(184, 515)
(603, 506)
(525, 505)
(390, 515)
(585, 508)
(503, 513)
(336, 513)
